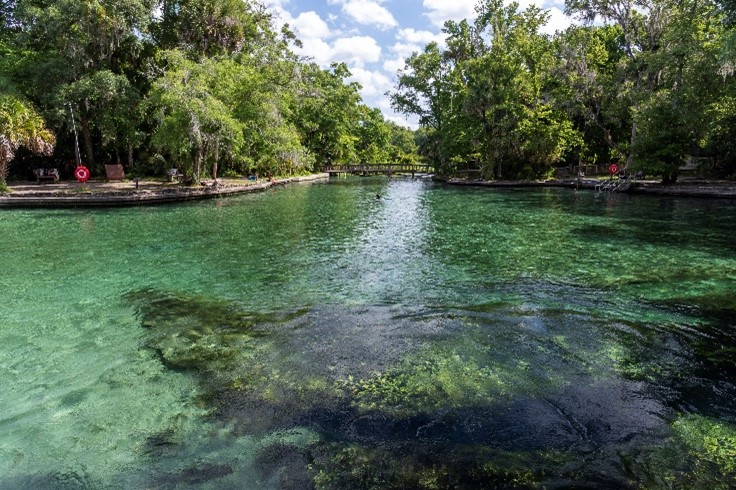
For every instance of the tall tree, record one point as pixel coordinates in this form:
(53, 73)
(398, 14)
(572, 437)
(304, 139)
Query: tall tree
(485, 98)
(194, 126)
(327, 112)
(68, 42)
(206, 28)
(591, 75)
(683, 81)
(20, 126)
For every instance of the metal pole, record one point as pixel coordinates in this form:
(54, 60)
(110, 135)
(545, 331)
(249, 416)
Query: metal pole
(76, 138)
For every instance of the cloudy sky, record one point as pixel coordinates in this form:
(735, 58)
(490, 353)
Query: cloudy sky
(375, 36)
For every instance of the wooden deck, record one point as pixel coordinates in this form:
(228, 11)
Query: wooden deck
(378, 169)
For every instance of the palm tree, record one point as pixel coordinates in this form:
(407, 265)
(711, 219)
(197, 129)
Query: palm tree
(20, 125)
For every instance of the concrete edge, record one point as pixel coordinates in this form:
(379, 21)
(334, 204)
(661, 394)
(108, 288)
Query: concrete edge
(145, 198)
(635, 187)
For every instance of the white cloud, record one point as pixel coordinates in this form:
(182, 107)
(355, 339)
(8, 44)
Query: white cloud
(310, 29)
(405, 121)
(310, 25)
(318, 50)
(395, 64)
(419, 37)
(440, 11)
(356, 50)
(405, 50)
(374, 83)
(410, 41)
(369, 12)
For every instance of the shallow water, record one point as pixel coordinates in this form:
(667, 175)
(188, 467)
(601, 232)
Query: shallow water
(318, 336)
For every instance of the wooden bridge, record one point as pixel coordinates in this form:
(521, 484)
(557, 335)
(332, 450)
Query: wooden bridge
(378, 168)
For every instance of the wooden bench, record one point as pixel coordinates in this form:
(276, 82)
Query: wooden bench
(114, 172)
(46, 174)
(174, 174)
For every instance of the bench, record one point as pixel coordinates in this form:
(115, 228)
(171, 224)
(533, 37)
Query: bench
(174, 174)
(46, 174)
(114, 172)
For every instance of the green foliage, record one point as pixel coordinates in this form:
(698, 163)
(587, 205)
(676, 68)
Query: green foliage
(509, 100)
(113, 101)
(208, 28)
(194, 125)
(327, 113)
(20, 126)
(589, 90)
(199, 85)
(721, 138)
(487, 102)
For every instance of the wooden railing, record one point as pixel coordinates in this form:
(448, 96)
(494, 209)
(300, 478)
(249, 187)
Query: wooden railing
(379, 168)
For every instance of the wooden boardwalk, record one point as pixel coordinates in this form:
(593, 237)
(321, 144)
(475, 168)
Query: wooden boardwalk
(378, 168)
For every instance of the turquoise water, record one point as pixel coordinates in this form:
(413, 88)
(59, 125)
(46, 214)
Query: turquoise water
(319, 336)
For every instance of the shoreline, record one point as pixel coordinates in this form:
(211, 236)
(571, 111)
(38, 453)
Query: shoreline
(686, 188)
(127, 193)
(71, 194)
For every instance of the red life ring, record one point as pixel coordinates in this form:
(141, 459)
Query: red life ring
(613, 169)
(81, 173)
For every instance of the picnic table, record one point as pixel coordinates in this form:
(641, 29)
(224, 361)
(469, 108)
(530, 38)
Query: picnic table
(46, 174)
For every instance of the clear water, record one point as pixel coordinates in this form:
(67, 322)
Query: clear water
(319, 336)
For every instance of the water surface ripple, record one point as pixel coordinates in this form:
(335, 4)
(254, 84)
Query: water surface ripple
(371, 333)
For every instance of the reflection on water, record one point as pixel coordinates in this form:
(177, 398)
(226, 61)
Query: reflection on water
(316, 336)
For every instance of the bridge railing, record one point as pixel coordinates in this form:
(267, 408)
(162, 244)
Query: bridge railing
(378, 168)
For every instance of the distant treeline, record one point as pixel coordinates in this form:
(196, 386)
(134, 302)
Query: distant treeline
(212, 86)
(206, 86)
(647, 84)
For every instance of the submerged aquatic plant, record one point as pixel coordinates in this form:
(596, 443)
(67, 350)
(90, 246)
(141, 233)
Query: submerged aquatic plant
(711, 451)
(421, 466)
(510, 402)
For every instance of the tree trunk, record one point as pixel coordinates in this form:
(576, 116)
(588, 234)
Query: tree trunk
(4, 168)
(632, 141)
(678, 88)
(87, 137)
(669, 178)
(130, 156)
(217, 157)
(630, 155)
(197, 163)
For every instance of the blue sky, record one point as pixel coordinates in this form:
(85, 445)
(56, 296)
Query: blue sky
(375, 36)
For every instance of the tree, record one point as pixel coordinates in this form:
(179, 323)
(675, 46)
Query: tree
(327, 113)
(683, 82)
(374, 137)
(74, 52)
(403, 147)
(194, 126)
(206, 28)
(20, 126)
(486, 98)
(590, 75)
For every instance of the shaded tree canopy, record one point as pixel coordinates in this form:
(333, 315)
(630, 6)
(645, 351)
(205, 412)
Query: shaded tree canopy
(644, 83)
(207, 86)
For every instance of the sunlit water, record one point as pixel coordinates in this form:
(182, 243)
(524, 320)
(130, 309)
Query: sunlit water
(317, 335)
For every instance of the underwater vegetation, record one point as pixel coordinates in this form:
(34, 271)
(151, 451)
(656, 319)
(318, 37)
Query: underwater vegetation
(499, 397)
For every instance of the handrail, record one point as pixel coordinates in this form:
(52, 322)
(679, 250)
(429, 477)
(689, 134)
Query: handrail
(377, 167)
